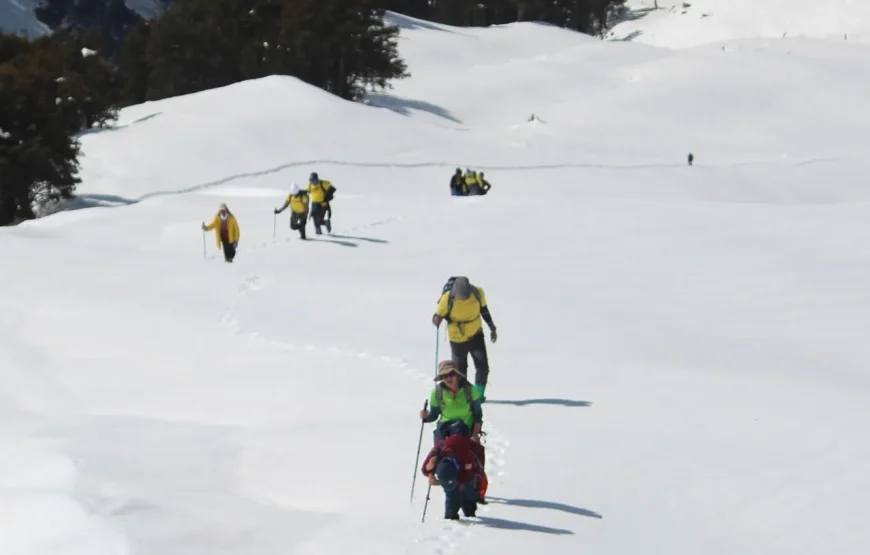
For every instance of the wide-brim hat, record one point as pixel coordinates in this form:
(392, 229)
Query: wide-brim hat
(447, 367)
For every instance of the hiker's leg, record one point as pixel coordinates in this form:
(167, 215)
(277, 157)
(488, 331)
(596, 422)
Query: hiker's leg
(459, 354)
(477, 350)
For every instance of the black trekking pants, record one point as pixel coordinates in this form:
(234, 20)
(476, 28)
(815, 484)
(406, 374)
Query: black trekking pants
(476, 347)
(229, 250)
(318, 212)
(298, 222)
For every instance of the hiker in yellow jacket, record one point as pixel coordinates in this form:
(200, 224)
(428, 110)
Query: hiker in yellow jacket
(464, 307)
(321, 193)
(298, 202)
(226, 232)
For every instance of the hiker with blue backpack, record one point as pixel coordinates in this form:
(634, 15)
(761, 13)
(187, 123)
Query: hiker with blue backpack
(456, 407)
(463, 306)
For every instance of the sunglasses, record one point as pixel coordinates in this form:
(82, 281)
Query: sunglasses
(450, 375)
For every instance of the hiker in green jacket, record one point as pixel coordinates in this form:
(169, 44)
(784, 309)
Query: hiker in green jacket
(456, 403)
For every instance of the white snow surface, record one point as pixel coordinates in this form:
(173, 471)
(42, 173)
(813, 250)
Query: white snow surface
(688, 23)
(682, 363)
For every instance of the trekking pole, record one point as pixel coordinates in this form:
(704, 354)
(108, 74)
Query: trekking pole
(426, 504)
(419, 445)
(274, 223)
(420, 441)
(203, 244)
(429, 488)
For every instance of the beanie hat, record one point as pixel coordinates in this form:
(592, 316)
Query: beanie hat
(461, 288)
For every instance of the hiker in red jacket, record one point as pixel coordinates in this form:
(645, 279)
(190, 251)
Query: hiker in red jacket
(456, 464)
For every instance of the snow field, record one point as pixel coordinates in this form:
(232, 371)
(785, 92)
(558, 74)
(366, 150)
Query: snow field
(680, 368)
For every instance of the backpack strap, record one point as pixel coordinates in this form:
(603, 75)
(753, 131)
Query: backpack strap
(439, 395)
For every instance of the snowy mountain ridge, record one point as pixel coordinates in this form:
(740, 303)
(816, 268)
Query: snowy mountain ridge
(688, 23)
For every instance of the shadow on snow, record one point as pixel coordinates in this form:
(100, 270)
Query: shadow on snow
(337, 242)
(505, 524)
(525, 402)
(369, 239)
(404, 106)
(534, 504)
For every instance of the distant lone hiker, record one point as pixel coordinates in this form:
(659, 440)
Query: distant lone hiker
(226, 232)
(691, 158)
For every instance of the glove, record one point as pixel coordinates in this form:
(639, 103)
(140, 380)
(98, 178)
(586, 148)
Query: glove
(436, 320)
(493, 335)
(203, 226)
(236, 245)
(275, 210)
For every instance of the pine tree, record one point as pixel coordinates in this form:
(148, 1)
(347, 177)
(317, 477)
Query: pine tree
(342, 46)
(38, 153)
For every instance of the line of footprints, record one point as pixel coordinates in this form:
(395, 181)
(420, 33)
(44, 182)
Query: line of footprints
(445, 540)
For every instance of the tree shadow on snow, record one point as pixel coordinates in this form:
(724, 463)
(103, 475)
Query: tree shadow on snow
(342, 243)
(404, 106)
(534, 504)
(505, 524)
(369, 239)
(525, 402)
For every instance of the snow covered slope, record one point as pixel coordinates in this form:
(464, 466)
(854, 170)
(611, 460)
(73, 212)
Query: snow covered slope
(681, 365)
(16, 16)
(687, 23)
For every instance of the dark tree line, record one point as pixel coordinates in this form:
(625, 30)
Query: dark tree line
(49, 91)
(587, 16)
(101, 57)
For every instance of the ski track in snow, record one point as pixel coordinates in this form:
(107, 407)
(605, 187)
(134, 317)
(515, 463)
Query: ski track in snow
(485, 167)
(445, 539)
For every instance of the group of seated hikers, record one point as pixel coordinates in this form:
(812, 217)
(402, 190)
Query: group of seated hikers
(468, 184)
(457, 460)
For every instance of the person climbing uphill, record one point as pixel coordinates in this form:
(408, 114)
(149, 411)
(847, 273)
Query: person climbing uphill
(457, 184)
(456, 465)
(321, 194)
(463, 305)
(298, 201)
(226, 231)
(456, 403)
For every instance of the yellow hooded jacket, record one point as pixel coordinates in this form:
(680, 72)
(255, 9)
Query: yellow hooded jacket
(232, 229)
(465, 320)
(318, 192)
(299, 203)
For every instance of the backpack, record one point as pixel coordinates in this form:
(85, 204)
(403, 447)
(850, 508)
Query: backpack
(439, 395)
(448, 288)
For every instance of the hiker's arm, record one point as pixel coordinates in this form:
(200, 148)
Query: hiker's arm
(434, 413)
(487, 317)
